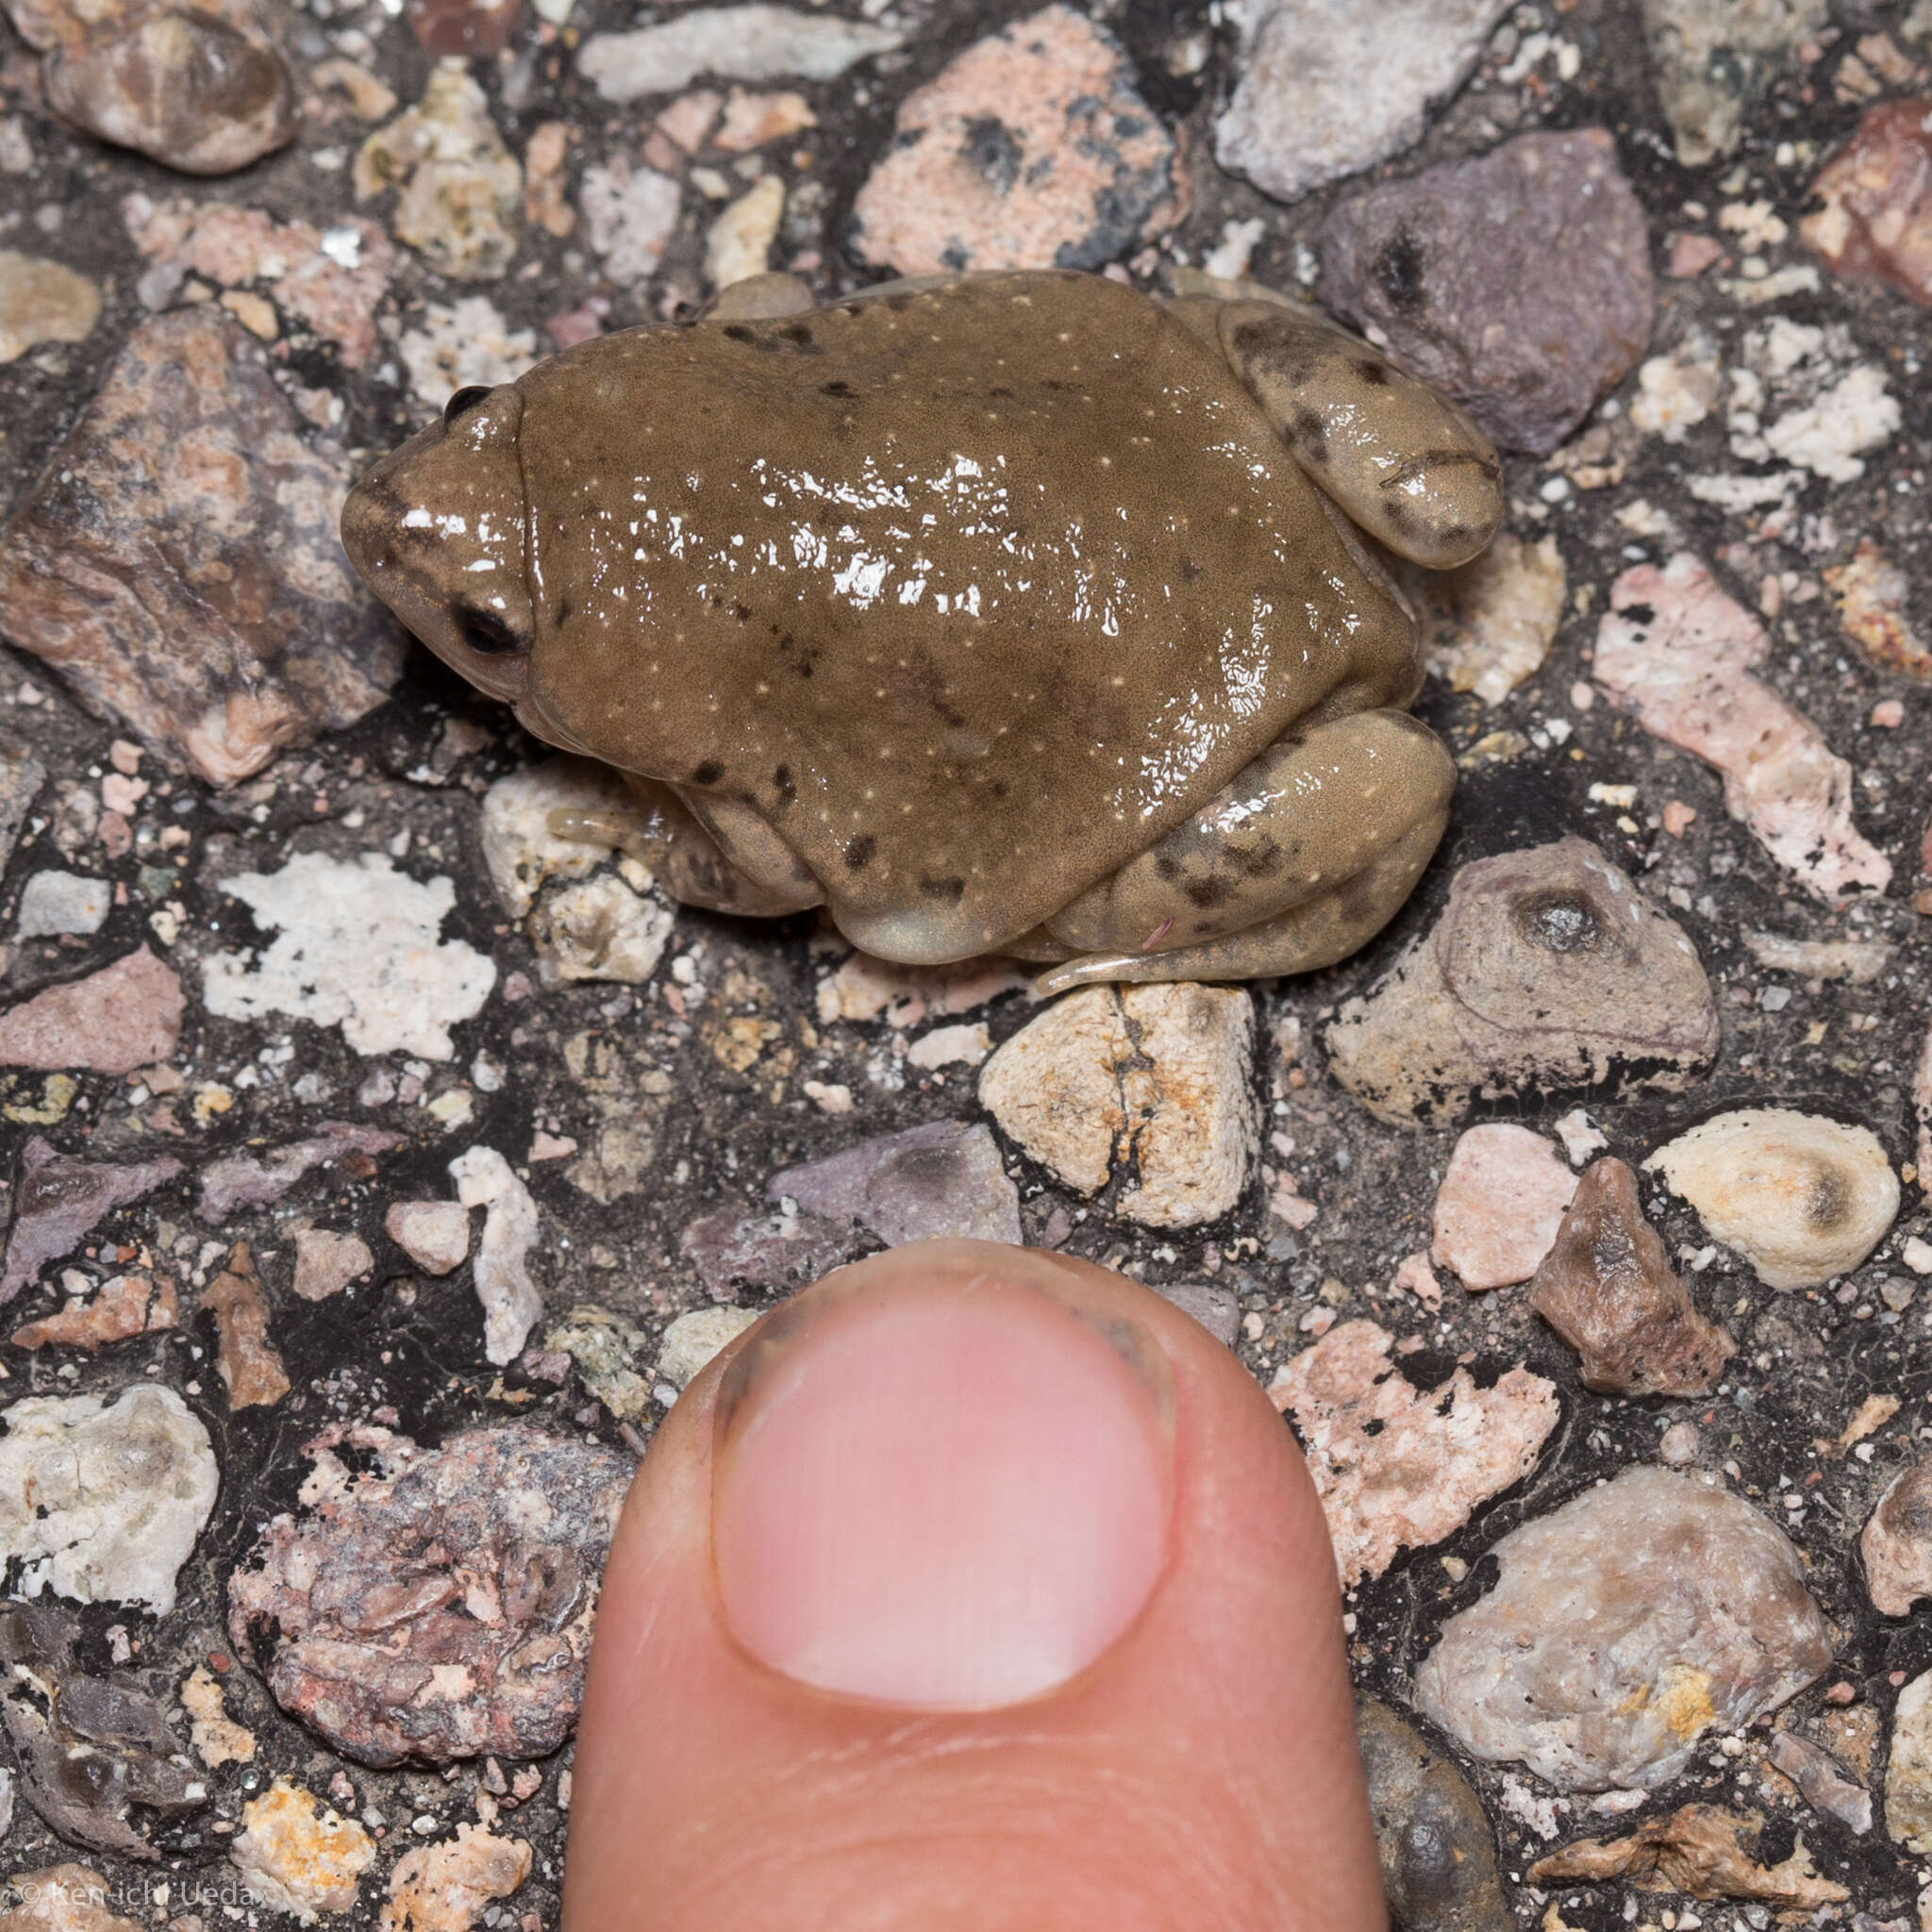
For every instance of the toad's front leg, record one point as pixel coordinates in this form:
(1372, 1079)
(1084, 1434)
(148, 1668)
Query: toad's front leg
(698, 864)
(1303, 858)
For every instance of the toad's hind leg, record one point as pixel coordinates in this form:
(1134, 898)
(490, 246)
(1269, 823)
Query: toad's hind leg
(1401, 461)
(688, 859)
(1304, 857)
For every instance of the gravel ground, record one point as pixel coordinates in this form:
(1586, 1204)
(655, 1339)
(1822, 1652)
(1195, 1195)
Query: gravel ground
(711, 1057)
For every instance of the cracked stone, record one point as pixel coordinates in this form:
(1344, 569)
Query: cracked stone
(1437, 1855)
(126, 1015)
(461, 192)
(325, 1263)
(1897, 1542)
(218, 1740)
(601, 928)
(250, 1368)
(1822, 1780)
(511, 1301)
(357, 946)
(605, 1348)
(1701, 1850)
(939, 1180)
(1547, 970)
(249, 1180)
(1908, 1771)
(1624, 1626)
(630, 214)
(1518, 284)
(442, 1888)
(693, 1339)
(1032, 149)
(1875, 222)
(780, 1252)
(53, 903)
(63, 1898)
(178, 563)
(1607, 1287)
(1326, 91)
(755, 43)
(738, 245)
(463, 343)
(1801, 1197)
(434, 1234)
(1714, 58)
(58, 1200)
(1151, 1078)
(1500, 1205)
(20, 778)
(333, 280)
(102, 1502)
(204, 89)
(1873, 595)
(442, 1608)
(90, 1749)
(296, 1855)
(124, 1305)
(1396, 1468)
(1488, 627)
(1680, 655)
(43, 301)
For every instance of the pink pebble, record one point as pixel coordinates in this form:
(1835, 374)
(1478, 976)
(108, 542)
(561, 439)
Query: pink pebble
(1690, 255)
(1500, 1205)
(1888, 714)
(1678, 817)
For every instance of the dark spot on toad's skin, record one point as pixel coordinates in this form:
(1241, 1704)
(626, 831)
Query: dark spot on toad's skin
(1830, 1199)
(1000, 395)
(1560, 920)
(1372, 373)
(708, 774)
(1399, 270)
(1188, 569)
(951, 891)
(737, 332)
(898, 304)
(837, 388)
(800, 337)
(1208, 894)
(1261, 349)
(1310, 434)
(783, 785)
(858, 851)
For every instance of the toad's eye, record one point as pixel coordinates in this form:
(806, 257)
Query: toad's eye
(463, 402)
(485, 632)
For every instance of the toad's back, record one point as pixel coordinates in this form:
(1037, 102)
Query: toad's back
(972, 590)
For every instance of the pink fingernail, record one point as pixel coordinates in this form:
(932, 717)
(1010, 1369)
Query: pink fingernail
(940, 1494)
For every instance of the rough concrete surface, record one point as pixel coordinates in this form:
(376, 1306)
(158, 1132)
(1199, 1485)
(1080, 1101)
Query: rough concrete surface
(263, 736)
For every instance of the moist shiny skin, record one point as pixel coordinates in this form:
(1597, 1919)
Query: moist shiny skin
(944, 604)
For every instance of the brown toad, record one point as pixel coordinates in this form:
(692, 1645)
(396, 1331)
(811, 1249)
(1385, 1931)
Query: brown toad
(1009, 613)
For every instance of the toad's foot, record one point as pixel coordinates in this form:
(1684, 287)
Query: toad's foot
(1404, 463)
(688, 860)
(1307, 855)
